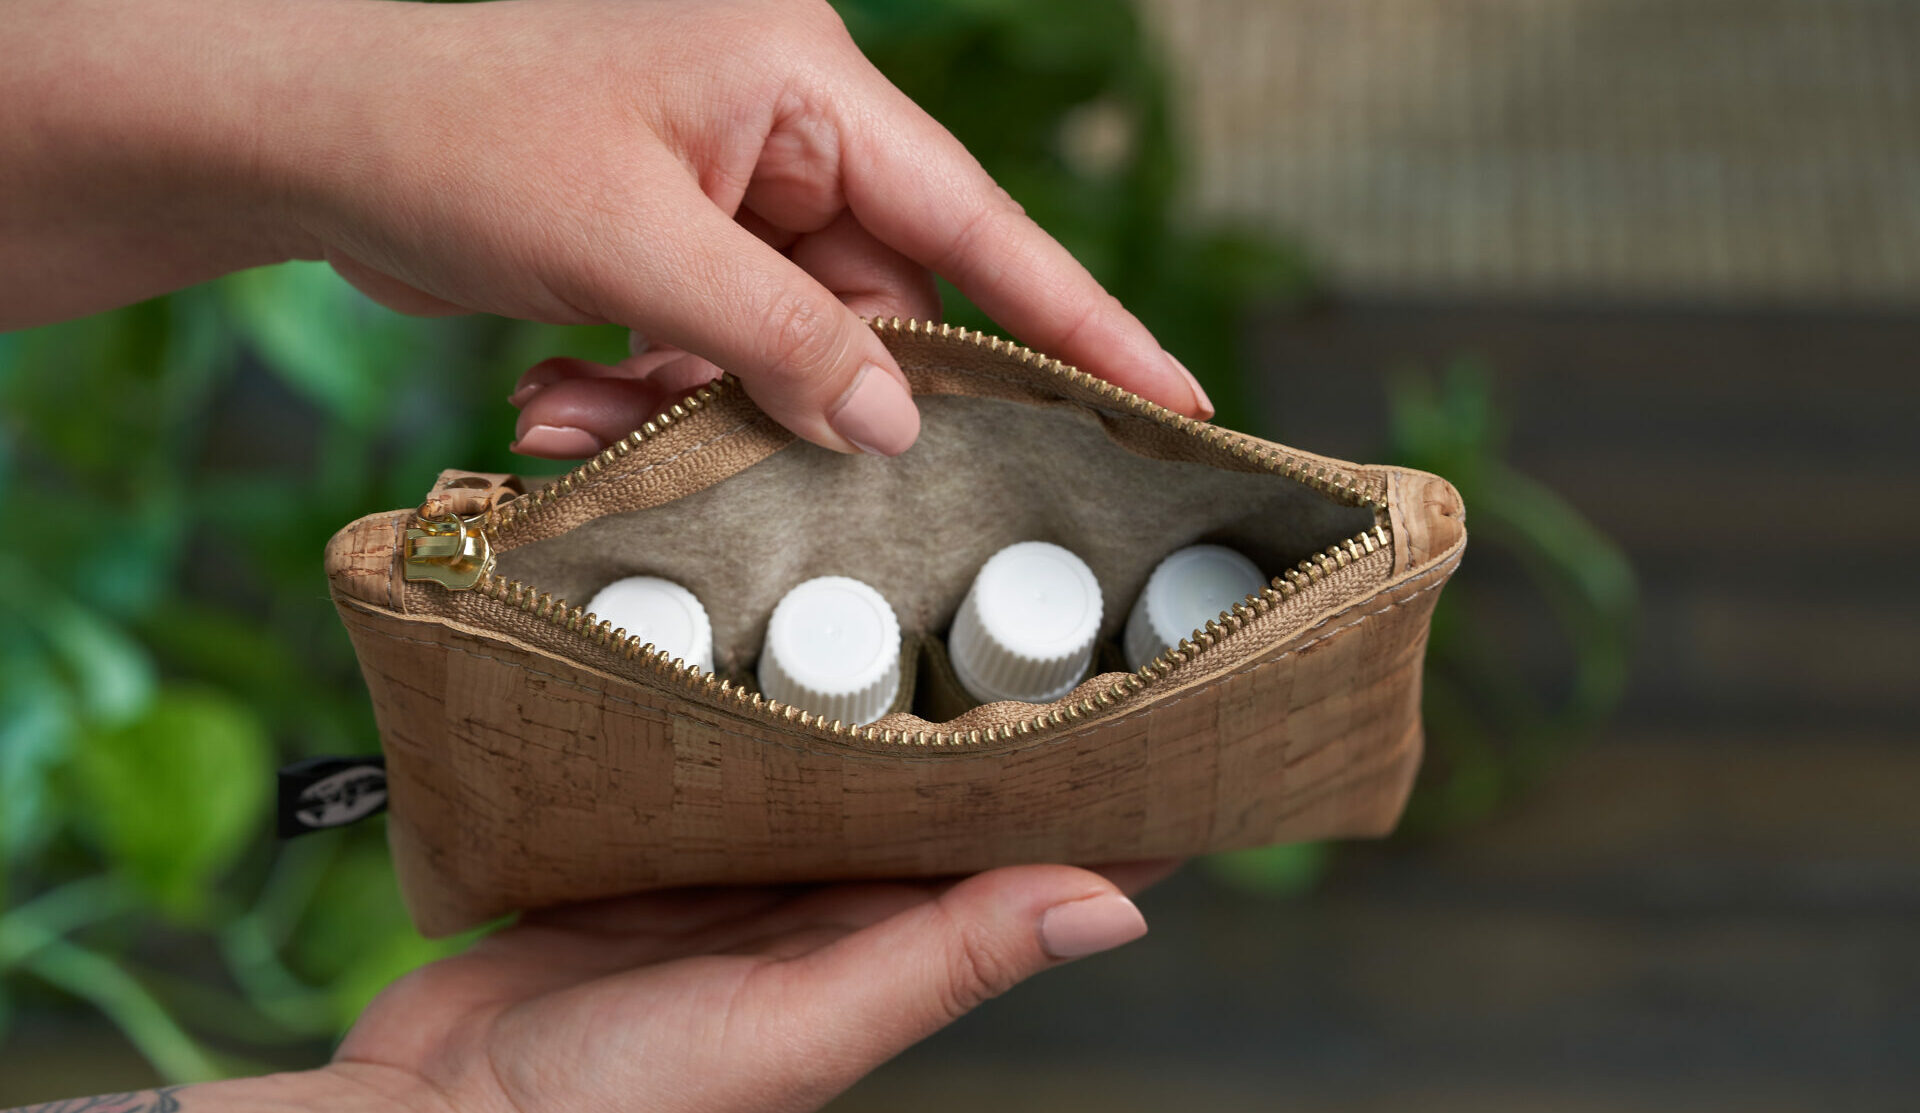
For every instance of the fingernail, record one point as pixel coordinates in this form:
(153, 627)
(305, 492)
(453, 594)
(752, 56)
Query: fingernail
(636, 344)
(1085, 927)
(532, 381)
(1199, 392)
(877, 414)
(557, 442)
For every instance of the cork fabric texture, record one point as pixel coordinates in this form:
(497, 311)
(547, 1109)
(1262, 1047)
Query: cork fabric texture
(520, 779)
(531, 763)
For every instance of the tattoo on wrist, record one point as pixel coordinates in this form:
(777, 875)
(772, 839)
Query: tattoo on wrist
(162, 1100)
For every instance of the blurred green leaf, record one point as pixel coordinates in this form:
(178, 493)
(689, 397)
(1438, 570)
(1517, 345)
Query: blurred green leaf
(1489, 732)
(1018, 81)
(36, 725)
(322, 336)
(172, 796)
(107, 673)
(1274, 871)
(356, 937)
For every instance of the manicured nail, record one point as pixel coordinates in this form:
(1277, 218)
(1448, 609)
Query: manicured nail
(532, 381)
(877, 413)
(1199, 392)
(557, 442)
(1085, 927)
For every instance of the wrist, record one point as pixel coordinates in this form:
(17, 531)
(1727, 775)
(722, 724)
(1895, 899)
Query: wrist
(151, 146)
(336, 1088)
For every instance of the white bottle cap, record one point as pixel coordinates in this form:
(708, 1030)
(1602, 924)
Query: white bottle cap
(1026, 628)
(1187, 589)
(833, 648)
(659, 611)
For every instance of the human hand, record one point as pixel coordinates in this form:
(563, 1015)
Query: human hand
(748, 999)
(712, 1000)
(730, 180)
(734, 181)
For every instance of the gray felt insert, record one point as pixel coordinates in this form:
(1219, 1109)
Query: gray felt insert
(984, 474)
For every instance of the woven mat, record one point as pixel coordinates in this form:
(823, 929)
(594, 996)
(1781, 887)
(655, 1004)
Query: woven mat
(1711, 149)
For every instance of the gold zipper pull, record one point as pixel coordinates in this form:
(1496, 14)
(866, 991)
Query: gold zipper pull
(451, 551)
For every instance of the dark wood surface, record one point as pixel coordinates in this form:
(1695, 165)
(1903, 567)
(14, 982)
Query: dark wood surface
(1758, 466)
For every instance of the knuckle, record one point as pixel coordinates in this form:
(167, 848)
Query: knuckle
(976, 230)
(978, 972)
(1104, 307)
(801, 340)
(784, 27)
(982, 242)
(821, 16)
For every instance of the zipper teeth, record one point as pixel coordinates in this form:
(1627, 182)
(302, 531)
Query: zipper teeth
(1339, 485)
(599, 631)
(509, 513)
(1336, 484)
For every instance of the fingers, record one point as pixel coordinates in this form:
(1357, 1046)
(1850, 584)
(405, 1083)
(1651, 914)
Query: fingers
(557, 369)
(915, 187)
(812, 920)
(593, 408)
(807, 359)
(869, 277)
(820, 915)
(1137, 877)
(572, 408)
(668, 911)
(862, 999)
(575, 418)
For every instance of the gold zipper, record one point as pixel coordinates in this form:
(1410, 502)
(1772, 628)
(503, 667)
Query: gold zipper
(451, 551)
(458, 553)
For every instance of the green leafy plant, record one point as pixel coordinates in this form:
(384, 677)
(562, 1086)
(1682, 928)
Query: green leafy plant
(170, 473)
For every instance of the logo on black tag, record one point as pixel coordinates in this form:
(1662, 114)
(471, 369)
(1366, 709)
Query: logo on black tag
(323, 792)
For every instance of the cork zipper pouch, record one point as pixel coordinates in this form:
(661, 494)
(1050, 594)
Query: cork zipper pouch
(536, 755)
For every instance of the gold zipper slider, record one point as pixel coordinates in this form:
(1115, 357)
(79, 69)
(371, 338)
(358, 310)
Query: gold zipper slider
(451, 551)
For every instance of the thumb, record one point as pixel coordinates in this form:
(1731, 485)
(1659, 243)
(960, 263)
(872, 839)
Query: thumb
(870, 995)
(718, 291)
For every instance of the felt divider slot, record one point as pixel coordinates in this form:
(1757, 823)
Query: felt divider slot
(940, 697)
(985, 473)
(939, 694)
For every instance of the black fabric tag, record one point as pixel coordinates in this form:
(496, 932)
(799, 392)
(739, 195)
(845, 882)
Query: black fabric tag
(322, 792)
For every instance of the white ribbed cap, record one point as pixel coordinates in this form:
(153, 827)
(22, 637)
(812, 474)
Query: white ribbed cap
(1026, 628)
(833, 648)
(1189, 587)
(659, 611)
